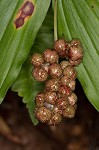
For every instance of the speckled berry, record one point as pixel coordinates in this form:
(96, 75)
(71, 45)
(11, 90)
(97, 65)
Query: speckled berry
(70, 72)
(72, 98)
(69, 112)
(50, 56)
(50, 97)
(55, 119)
(64, 90)
(62, 103)
(39, 74)
(43, 114)
(64, 80)
(52, 85)
(75, 63)
(37, 60)
(75, 53)
(57, 110)
(64, 64)
(39, 99)
(75, 42)
(55, 70)
(72, 84)
(61, 47)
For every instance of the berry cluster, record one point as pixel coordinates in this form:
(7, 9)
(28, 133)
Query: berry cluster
(58, 98)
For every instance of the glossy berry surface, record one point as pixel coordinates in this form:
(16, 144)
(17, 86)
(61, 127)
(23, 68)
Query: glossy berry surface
(50, 97)
(72, 99)
(69, 112)
(61, 47)
(64, 90)
(52, 85)
(37, 60)
(64, 64)
(55, 119)
(39, 99)
(55, 70)
(43, 114)
(62, 103)
(50, 56)
(40, 74)
(70, 72)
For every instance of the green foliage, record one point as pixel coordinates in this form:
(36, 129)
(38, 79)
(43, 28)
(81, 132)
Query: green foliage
(80, 19)
(15, 44)
(76, 19)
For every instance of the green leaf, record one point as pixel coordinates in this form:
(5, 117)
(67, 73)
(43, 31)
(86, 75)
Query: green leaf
(26, 86)
(15, 43)
(80, 19)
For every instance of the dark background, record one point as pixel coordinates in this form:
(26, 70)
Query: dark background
(18, 133)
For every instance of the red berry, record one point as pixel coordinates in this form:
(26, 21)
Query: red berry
(50, 97)
(52, 85)
(75, 63)
(69, 112)
(43, 114)
(64, 64)
(62, 103)
(50, 56)
(56, 110)
(75, 53)
(40, 74)
(61, 47)
(55, 119)
(39, 99)
(64, 90)
(55, 70)
(72, 98)
(72, 84)
(75, 42)
(37, 60)
(70, 72)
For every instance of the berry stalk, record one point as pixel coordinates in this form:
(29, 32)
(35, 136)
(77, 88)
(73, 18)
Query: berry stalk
(55, 20)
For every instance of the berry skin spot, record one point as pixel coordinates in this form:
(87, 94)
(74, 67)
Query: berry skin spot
(19, 22)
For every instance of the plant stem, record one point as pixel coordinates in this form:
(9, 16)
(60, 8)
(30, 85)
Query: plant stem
(55, 20)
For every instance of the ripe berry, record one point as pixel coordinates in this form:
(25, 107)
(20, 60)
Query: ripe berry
(70, 72)
(64, 64)
(39, 99)
(72, 98)
(43, 114)
(61, 47)
(56, 110)
(50, 56)
(75, 42)
(72, 84)
(64, 90)
(37, 60)
(52, 85)
(55, 119)
(62, 103)
(64, 80)
(50, 97)
(69, 112)
(75, 63)
(55, 70)
(75, 53)
(40, 74)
